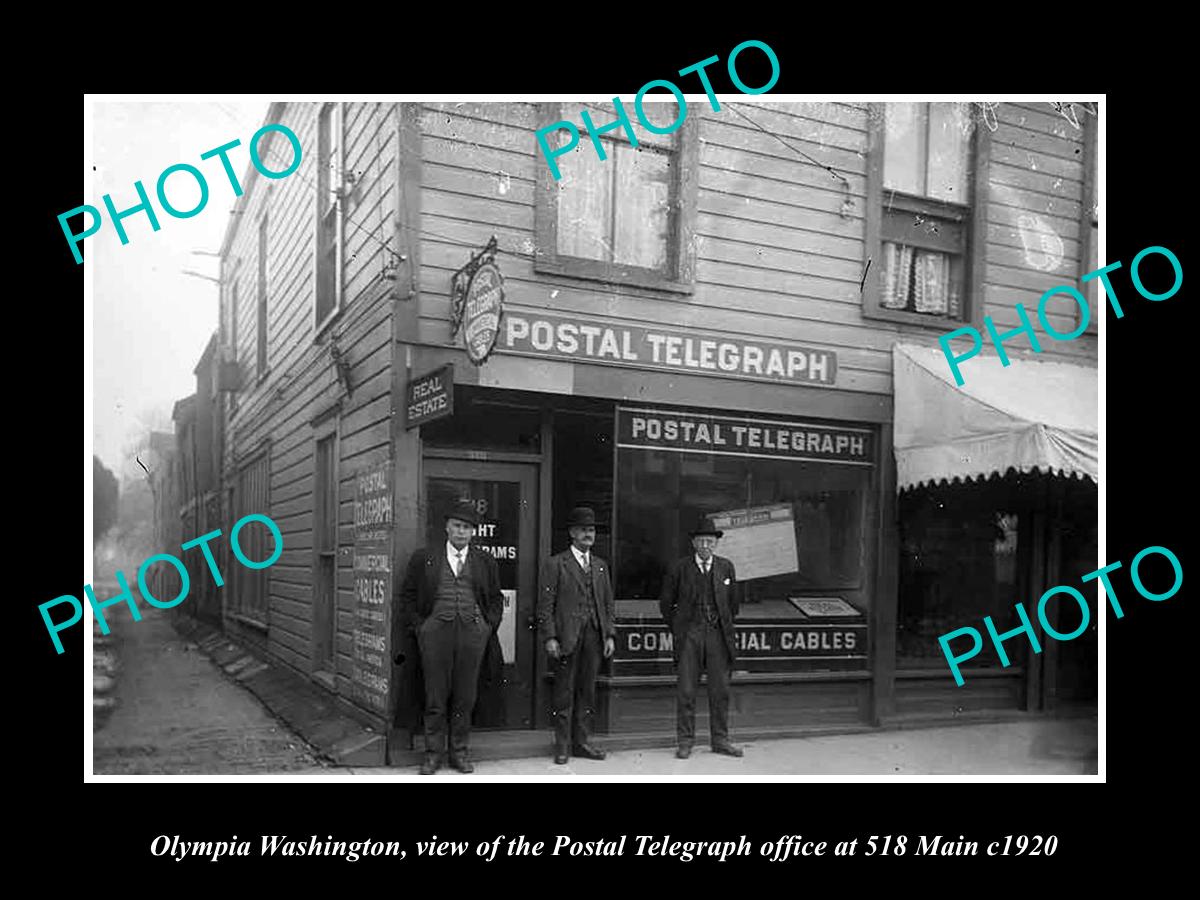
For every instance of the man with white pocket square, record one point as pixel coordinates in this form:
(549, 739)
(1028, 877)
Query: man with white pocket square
(699, 602)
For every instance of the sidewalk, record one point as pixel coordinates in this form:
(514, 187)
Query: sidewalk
(175, 713)
(186, 709)
(1029, 747)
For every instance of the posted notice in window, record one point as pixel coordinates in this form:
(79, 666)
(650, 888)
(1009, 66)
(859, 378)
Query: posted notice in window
(760, 540)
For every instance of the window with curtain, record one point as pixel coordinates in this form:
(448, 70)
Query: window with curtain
(925, 224)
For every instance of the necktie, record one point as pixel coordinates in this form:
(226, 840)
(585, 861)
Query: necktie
(587, 562)
(458, 563)
(707, 563)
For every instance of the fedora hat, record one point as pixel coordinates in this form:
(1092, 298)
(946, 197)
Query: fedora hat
(464, 511)
(582, 517)
(706, 526)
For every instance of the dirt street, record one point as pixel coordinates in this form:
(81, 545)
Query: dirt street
(174, 712)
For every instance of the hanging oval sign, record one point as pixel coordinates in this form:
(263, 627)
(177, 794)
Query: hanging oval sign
(482, 311)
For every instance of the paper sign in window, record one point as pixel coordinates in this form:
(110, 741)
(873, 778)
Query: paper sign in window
(760, 540)
(507, 632)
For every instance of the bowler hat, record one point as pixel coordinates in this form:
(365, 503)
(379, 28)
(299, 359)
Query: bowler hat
(464, 511)
(582, 517)
(706, 526)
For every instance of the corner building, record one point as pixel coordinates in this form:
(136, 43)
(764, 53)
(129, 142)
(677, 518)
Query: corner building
(723, 320)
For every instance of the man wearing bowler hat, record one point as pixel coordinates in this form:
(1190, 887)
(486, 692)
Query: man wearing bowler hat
(451, 598)
(699, 603)
(575, 620)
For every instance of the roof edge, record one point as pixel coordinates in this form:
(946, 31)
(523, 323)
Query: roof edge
(250, 178)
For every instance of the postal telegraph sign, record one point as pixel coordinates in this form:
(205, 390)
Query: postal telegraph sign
(588, 340)
(483, 308)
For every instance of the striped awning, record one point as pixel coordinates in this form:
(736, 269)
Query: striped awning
(1025, 416)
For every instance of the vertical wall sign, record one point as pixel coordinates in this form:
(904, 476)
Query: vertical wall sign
(373, 527)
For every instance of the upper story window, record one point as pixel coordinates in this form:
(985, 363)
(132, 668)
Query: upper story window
(925, 160)
(261, 359)
(233, 320)
(329, 214)
(626, 218)
(233, 355)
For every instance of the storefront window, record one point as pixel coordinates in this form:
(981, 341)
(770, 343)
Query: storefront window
(794, 518)
(958, 563)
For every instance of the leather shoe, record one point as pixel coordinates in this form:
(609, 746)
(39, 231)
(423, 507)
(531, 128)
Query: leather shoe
(684, 751)
(726, 749)
(560, 756)
(587, 751)
(463, 763)
(431, 764)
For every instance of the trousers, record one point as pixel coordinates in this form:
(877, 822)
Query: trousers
(451, 652)
(574, 697)
(702, 649)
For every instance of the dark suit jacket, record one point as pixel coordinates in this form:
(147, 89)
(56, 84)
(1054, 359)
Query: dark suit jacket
(416, 599)
(419, 592)
(562, 603)
(680, 598)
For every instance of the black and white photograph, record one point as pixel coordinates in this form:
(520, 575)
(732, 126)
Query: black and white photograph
(697, 434)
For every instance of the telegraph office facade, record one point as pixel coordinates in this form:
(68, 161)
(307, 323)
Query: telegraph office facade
(702, 324)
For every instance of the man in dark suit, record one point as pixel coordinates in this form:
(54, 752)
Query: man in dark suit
(451, 598)
(699, 603)
(575, 618)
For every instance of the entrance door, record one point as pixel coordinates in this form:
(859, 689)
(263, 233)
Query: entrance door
(505, 497)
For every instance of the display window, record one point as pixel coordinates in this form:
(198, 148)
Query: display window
(791, 497)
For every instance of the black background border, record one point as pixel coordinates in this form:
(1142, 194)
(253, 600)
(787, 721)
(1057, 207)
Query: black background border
(1146, 441)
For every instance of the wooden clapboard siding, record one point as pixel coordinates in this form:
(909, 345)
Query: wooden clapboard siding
(301, 384)
(1001, 254)
(779, 239)
(1037, 169)
(1035, 182)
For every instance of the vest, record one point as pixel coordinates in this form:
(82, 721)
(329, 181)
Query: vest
(455, 597)
(593, 616)
(708, 595)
